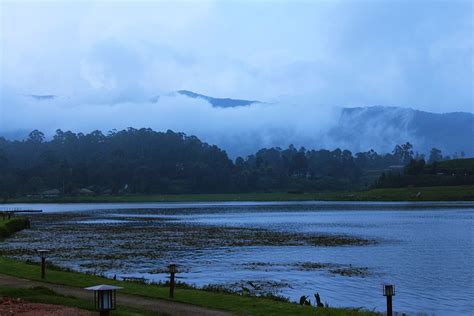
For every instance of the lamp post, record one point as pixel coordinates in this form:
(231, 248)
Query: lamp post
(42, 253)
(172, 269)
(104, 298)
(389, 291)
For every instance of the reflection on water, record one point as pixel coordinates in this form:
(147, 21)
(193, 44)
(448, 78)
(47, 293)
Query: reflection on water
(426, 249)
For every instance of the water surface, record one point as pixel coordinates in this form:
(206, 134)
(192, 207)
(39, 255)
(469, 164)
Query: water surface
(425, 249)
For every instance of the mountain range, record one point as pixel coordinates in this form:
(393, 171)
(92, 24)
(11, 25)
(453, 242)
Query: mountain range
(215, 102)
(355, 128)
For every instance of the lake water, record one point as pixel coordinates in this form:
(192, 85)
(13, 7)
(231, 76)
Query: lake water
(425, 249)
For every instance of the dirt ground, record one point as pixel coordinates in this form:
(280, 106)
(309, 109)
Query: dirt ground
(15, 307)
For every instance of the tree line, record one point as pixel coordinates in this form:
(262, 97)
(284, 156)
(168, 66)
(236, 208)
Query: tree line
(143, 161)
(440, 172)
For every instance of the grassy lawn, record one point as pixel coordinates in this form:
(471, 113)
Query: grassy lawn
(442, 193)
(233, 303)
(456, 164)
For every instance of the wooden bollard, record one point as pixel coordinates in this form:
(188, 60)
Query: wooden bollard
(43, 267)
(42, 253)
(172, 269)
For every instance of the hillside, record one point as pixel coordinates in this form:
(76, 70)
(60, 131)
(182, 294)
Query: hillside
(380, 127)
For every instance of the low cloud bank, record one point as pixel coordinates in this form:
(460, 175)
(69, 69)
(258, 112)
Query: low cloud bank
(238, 130)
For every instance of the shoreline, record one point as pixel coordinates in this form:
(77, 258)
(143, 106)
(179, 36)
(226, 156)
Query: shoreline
(411, 194)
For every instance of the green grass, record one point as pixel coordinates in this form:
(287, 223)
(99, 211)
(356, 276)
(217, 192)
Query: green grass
(170, 198)
(441, 193)
(10, 226)
(47, 296)
(456, 164)
(233, 303)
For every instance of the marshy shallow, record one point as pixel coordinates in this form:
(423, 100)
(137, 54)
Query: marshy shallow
(344, 251)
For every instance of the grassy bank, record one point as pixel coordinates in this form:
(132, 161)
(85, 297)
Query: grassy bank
(441, 193)
(10, 226)
(229, 302)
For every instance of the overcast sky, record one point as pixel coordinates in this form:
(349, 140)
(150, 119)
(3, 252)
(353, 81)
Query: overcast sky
(345, 53)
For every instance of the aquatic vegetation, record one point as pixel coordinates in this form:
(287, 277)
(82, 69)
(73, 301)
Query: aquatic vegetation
(347, 270)
(311, 266)
(350, 271)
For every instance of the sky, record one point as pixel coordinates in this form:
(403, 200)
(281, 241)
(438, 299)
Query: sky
(103, 60)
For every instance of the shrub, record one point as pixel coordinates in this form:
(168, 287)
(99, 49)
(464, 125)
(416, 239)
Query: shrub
(9, 227)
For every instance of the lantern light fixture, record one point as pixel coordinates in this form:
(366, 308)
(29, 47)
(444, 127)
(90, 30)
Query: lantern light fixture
(43, 253)
(105, 298)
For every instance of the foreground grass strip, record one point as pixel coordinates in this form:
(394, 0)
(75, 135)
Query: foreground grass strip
(233, 303)
(47, 296)
(11, 226)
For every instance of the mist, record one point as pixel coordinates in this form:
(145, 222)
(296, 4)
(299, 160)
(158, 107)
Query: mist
(238, 130)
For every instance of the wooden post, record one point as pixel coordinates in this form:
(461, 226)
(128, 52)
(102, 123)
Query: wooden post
(389, 306)
(43, 267)
(172, 283)
(389, 291)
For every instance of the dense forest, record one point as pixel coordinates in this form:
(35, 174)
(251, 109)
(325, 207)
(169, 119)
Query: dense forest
(144, 161)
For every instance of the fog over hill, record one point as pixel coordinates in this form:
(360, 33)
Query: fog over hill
(451, 132)
(241, 127)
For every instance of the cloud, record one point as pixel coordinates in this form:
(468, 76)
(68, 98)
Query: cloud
(106, 60)
(415, 54)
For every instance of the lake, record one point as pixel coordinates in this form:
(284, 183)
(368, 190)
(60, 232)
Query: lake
(345, 251)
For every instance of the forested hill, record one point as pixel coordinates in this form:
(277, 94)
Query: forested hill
(145, 161)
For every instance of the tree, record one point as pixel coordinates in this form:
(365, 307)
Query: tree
(415, 167)
(435, 155)
(404, 152)
(35, 185)
(36, 137)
